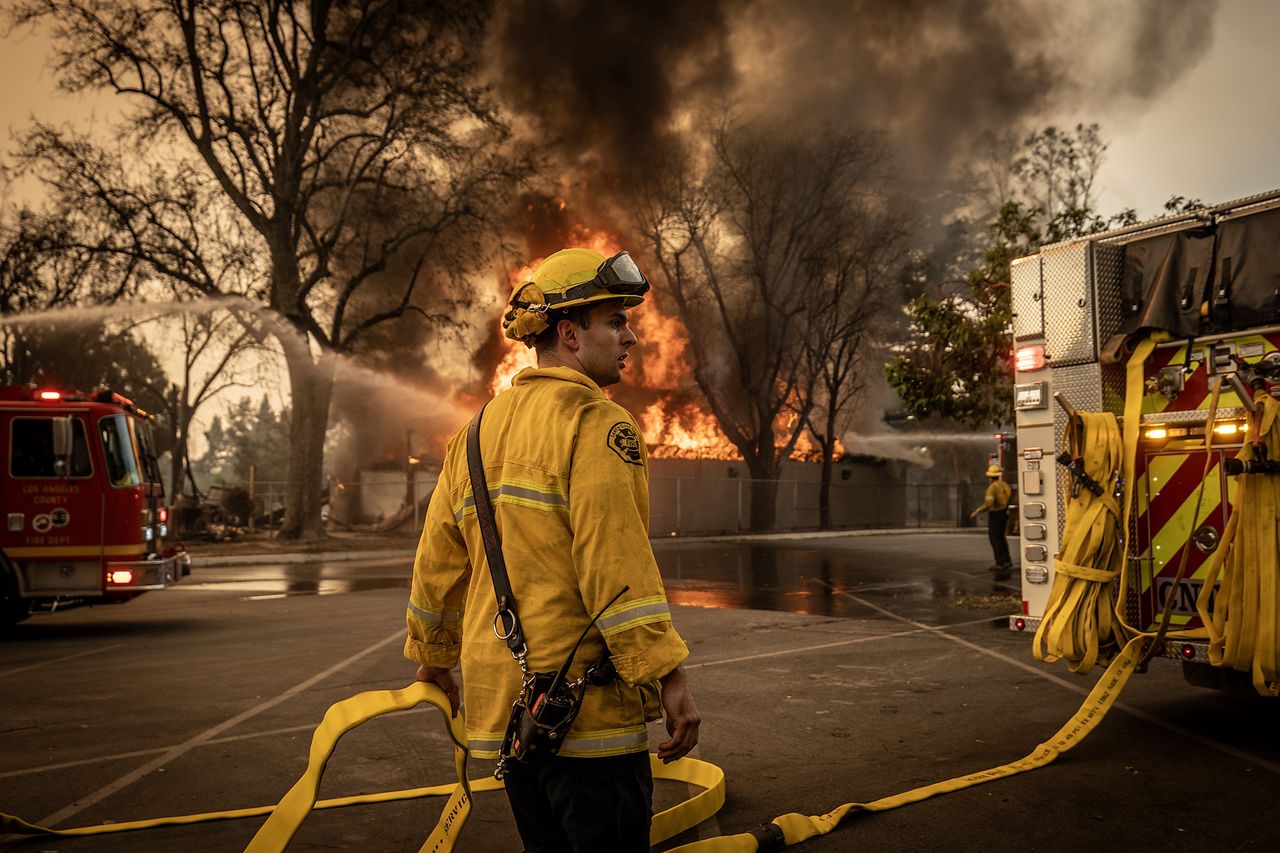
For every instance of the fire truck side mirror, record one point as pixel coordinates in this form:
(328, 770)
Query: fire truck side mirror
(62, 446)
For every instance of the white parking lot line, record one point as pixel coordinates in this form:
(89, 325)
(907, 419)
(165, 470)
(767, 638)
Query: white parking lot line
(210, 733)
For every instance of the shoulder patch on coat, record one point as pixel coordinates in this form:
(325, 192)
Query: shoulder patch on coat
(623, 441)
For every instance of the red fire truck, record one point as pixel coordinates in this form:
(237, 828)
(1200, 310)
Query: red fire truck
(1206, 281)
(81, 498)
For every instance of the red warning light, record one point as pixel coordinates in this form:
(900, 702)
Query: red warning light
(1020, 624)
(1188, 651)
(163, 514)
(50, 395)
(120, 576)
(1027, 359)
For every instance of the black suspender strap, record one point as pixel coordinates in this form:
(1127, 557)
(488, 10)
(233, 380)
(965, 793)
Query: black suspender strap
(506, 625)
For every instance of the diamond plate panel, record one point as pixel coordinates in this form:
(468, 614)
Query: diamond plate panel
(1069, 333)
(1082, 386)
(1028, 298)
(1194, 416)
(1108, 270)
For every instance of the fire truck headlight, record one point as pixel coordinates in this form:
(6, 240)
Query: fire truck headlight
(120, 576)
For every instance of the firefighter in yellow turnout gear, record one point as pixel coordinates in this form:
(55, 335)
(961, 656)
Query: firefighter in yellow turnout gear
(567, 475)
(996, 506)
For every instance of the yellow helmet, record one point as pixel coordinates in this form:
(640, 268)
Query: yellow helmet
(567, 279)
(995, 471)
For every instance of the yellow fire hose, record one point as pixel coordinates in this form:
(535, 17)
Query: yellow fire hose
(1077, 618)
(1241, 626)
(287, 816)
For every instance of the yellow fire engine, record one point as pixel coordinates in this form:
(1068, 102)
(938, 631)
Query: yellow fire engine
(1172, 327)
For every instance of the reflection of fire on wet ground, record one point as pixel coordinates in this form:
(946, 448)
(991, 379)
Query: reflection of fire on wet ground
(927, 576)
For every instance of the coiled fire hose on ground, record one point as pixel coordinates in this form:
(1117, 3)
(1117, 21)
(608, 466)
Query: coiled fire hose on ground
(1243, 629)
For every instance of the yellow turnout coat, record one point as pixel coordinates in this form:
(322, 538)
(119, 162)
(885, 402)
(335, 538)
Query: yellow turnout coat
(567, 473)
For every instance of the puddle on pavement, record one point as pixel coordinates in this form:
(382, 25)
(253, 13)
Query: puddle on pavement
(909, 580)
(817, 582)
(298, 579)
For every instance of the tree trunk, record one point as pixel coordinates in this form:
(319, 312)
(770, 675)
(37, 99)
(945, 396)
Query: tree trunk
(828, 444)
(178, 453)
(311, 389)
(764, 491)
(824, 491)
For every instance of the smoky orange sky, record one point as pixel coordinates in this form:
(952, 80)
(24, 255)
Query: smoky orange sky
(1211, 135)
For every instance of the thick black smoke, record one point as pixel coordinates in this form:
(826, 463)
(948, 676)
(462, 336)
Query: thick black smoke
(602, 83)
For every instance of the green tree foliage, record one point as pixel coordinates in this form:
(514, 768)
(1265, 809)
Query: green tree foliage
(955, 362)
(248, 434)
(85, 357)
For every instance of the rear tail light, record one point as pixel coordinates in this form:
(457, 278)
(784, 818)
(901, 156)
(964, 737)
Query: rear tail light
(120, 576)
(1020, 624)
(1188, 651)
(1027, 359)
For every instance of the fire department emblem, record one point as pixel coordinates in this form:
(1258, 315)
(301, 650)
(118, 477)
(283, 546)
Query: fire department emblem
(59, 517)
(624, 442)
(41, 523)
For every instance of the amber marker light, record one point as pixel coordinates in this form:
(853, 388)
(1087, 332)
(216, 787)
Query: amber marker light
(1156, 434)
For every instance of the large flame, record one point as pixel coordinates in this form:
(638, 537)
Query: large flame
(678, 424)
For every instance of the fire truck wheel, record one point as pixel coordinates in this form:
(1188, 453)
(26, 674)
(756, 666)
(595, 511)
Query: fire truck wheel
(13, 609)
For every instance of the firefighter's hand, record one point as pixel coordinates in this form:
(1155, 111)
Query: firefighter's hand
(681, 716)
(443, 678)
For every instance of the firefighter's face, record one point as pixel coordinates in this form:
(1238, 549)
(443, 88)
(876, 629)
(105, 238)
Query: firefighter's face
(604, 343)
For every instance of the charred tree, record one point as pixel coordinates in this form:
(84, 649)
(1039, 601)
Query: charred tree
(745, 236)
(343, 139)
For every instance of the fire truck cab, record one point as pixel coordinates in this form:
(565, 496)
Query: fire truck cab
(1206, 279)
(81, 500)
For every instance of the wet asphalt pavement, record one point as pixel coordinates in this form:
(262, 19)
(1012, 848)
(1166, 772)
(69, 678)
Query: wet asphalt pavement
(826, 671)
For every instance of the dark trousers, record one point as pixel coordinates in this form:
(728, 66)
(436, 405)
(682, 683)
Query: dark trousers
(997, 520)
(583, 805)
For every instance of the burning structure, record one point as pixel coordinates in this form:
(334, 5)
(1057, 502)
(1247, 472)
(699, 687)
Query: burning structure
(924, 85)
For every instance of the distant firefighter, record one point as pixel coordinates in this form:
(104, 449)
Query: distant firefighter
(996, 505)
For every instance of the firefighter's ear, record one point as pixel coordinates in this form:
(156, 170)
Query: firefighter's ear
(567, 333)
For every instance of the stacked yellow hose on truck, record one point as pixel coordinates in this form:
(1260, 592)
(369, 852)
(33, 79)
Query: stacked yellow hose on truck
(1242, 621)
(1079, 614)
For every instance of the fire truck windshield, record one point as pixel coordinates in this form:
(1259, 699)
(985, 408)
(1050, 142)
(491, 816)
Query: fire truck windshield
(31, 450)
(146, 449)
(122, 463)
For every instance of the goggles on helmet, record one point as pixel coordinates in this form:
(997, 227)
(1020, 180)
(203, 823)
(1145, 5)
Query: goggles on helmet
(618, 275)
